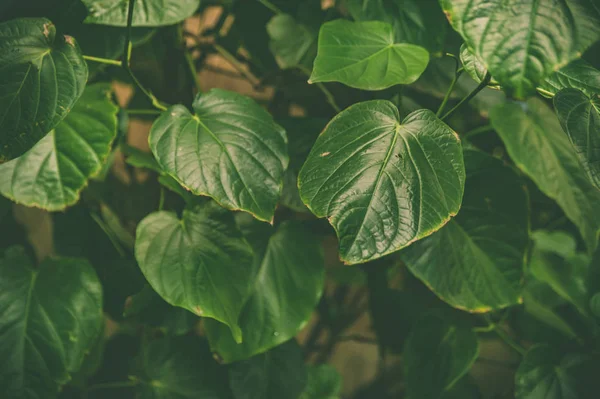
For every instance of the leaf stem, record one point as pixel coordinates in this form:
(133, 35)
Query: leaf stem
(448, 93)
(102, 60)
(328, 95)
(270, 6)
(161, 201)
(468, 98)
(254, 81)
(143, 111)
(476, 131)
(545, 92)
(114, 385)
(506, 338)
(190, 61)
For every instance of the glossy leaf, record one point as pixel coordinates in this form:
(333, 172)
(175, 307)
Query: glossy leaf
(474, 67)
(383, 183)
(475, 262)
(578, 74)
(230, 150)
(365, 56)
(290, 271)
(324, 382)
(579, 116)
(52, 174)
(437, 354)
(145, 12)
(51, 316)
(200, 262)
(535, 142)
(522, 42)
(292, 43)
(278, 373)
(42, 77)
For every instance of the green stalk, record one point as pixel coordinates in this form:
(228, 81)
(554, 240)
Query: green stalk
(468, 98)
(270, 6)
(102, 60)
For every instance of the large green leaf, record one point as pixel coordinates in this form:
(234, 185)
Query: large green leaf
(364, 55)
(200, 262)
(41, 78)
(278, 373)
(52, 174)
(579, 116)
(145, 12)
(324, 382)
(51, 316)
(521, 42)
(579, 74)
(437, 354)
(290, 280)
(383, 183)
(476, 261)
(292, 43)
(535, 142)
(230, 150)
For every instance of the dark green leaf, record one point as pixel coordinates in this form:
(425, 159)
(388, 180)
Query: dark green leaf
(365, 56)
(476, 261)
(52, 174)
(579, 116)
(293, 44)
(535, 142)
(383, 183)
(230, 150)
(324, 382)
(200, 262)
(51, 316)
(474, 67)
(578, 74)
(41, 78)
(145, 13)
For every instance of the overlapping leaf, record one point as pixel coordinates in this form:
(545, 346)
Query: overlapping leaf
(578, 74)
(381, 182)
(41, 77)
(145, 13)
(474, 67)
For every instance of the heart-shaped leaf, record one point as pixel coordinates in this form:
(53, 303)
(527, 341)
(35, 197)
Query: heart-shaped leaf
(476, 261)
(579, 116)
(41, 78)
(145, 12)
(535, 142)
(365, 56)
(513, 38)
(51, 316)
(200, 262)
(579, 74)
(230, 150)
(52, 173)
(383, 183)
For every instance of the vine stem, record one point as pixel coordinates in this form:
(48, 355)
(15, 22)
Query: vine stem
(506, 338)
(270, 6)
(328, 95)
(448, 93)
(103, 60)
(468, 98)
(254, 81)
(478, 130)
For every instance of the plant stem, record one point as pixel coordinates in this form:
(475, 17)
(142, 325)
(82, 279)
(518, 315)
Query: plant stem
(161, 201)
(113, 385)
(102, 60)
(472, 94)
(545, 92)
(254, 81)
(270, 6)
(143, 111)
(328, 95)
(506, 338)
(476, 131)
(448, 93)
(190, 61)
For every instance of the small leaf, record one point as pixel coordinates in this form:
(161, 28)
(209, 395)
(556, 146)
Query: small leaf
(579, 116)
(578, 74)
(324, 382)
(200, 262)
(42, 77)
(383, 183)
(230, 150)
(52, 174)
(145, 12)
(364, 55)
(535, 142)
(51, 316)
(476, 261)
(474, 67)
(293, 44)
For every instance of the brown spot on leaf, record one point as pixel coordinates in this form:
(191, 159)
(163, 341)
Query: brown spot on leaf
(325, 154)
(47, 30)
(198, 310)
(448, 16)
(70, 40)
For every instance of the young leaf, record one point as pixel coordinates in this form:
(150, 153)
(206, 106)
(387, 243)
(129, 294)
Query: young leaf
(278, 373)
(52, 174)
(51, 316)
(476, 261)
(535, 142)
(437, 354)
(230, 150)
(293, 44)
(579, 116)
(579, 74)
(383, 183)
(42, 77)
(324, 382)
(145, 12)
(200, 262)
(512, 37)
(290, 282)
(364, 55)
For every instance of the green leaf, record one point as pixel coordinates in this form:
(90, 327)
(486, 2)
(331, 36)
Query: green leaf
(579, 116)
(578, 74)
(474, 67)
(364, 55)
(382, 183)
(200, 262)
(324, 382)
(230, 150)
(52, 174)
(475, 262)
(516, 39)
(145, 12)
(293, 44)
(290, 281)
(178, 368)
(535, 142)
(51, 316)
(278, 373)
(42, 77)
(437, 354)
